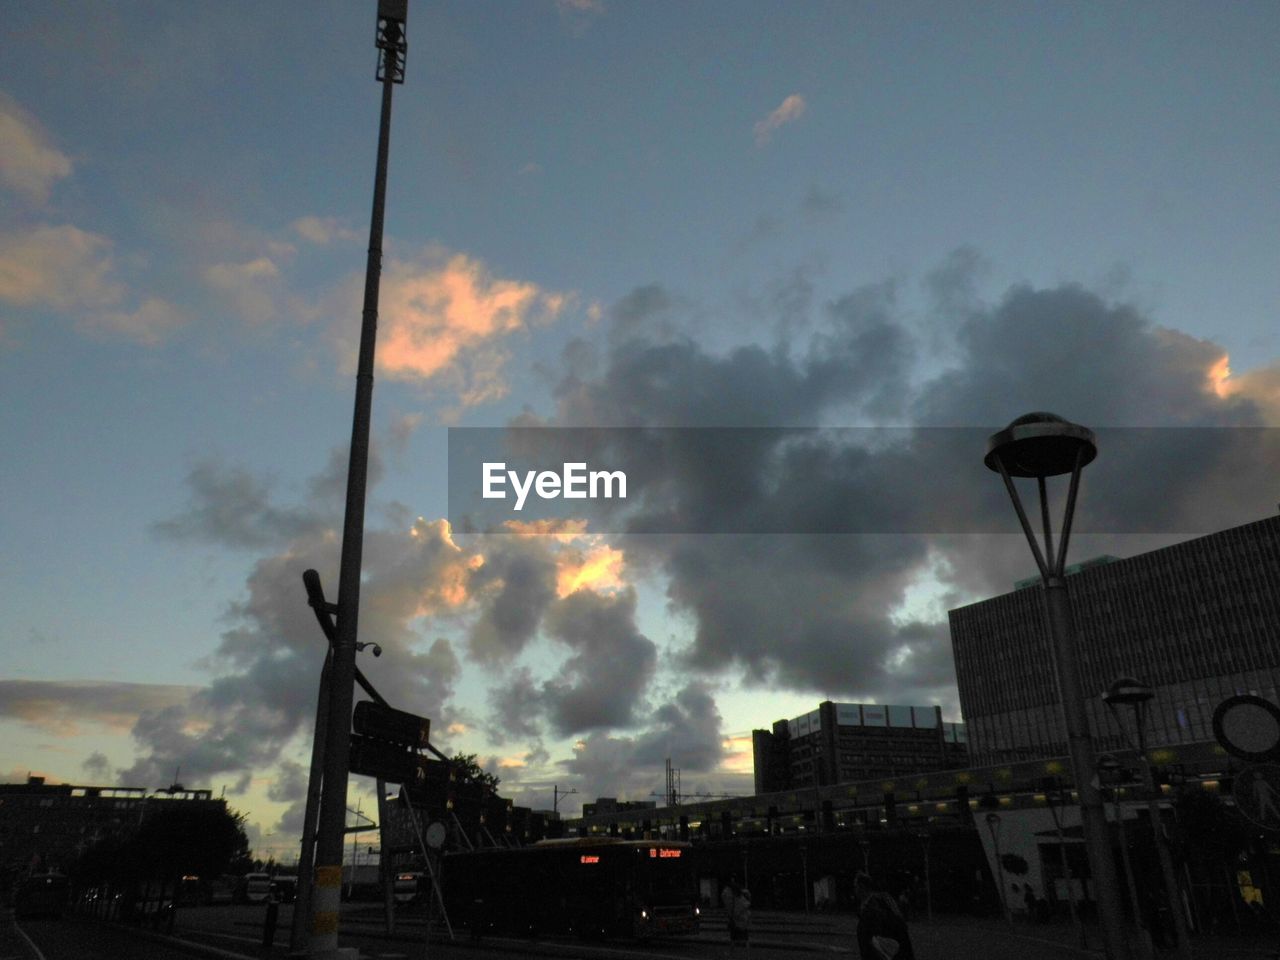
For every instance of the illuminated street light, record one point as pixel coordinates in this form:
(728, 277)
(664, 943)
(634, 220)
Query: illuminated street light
(1128, 692)
(1039, 446)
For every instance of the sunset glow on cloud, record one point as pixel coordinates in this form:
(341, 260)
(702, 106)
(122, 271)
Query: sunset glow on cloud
(449, 313)
(29, 164)
(790, 110)
(608, 218)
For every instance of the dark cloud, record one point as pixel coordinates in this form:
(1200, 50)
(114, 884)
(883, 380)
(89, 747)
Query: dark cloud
(97, 766)
(686, 730)
(824, 612)
(517, 583)
(267, 665)
(290, 783)
(601, 684)
(232, 507)
(515, 708)
(70, 706)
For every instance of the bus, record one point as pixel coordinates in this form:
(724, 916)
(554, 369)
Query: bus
(41, 895)
(588, 887)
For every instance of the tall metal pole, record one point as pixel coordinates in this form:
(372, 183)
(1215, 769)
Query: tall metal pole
(1093, 817)
(326, 899)
(1041, 445)
(300, 925)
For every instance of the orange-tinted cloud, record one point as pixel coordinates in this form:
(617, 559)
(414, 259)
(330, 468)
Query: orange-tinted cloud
(1261, 386)
(29, 164)
(62, 267)
(70, 707)
(597, 568)
(448, 317)
(739, 756)
(790, 110)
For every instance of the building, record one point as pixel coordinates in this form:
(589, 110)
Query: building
(47, 826)
(614, 805)
(844, 742)
(1198, 621)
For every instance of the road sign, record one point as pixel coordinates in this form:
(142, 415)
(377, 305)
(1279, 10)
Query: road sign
(384, 761)
(386, 723)
(1248, 727)
(1257, 793)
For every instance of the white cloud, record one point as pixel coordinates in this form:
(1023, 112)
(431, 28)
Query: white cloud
(324, 230)
(249, 287)
(790, 110)
(151, 323)
(29, 164)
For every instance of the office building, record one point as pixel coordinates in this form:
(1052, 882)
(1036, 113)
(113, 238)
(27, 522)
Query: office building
(1198, 622)
(844, 742)
(47, 826)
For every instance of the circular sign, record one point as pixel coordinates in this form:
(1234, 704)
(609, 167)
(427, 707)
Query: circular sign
(1257, 793)
(1248, 727)
(435, 835)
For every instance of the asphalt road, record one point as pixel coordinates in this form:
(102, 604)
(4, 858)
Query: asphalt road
(226, 933)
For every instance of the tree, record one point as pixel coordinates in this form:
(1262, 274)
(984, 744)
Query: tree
(182, 837)
(466, 769)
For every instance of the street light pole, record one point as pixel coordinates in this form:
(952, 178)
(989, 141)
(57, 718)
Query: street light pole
(390, 41)
(1110, 765)
(1042, 445)
(1134, 693)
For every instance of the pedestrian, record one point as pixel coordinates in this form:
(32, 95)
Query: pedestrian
(737, 911)
(742, 918)
(882, 932)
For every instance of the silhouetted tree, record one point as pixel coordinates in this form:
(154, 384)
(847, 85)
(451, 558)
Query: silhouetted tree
(466, 769)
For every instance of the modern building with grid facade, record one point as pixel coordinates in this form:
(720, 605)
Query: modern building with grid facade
(1198, 621)
(844, 742)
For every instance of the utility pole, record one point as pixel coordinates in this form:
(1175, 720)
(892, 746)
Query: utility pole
(556, 794)
(390, 41)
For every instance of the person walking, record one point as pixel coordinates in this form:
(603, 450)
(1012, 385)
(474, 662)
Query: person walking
(737, 910)
(882, 932)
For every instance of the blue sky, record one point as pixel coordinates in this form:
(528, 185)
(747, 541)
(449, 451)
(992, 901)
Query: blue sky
(580, 192)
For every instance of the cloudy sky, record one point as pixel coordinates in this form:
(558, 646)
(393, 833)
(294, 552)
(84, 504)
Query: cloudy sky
(715, 214)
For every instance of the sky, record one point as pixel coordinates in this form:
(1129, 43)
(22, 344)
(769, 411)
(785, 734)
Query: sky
(600, 214)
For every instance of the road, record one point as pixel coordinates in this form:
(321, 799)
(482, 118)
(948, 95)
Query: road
(224, 933)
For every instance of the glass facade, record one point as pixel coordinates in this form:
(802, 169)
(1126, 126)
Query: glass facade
(1198, 621)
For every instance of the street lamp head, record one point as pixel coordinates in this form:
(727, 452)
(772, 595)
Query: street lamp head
(1040, 445)
(1127, 692)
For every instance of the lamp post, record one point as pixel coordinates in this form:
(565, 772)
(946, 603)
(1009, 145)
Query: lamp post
(390, 41)
(993, 825)
(1109, 765)
(1133, 693)
(1039, 446)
